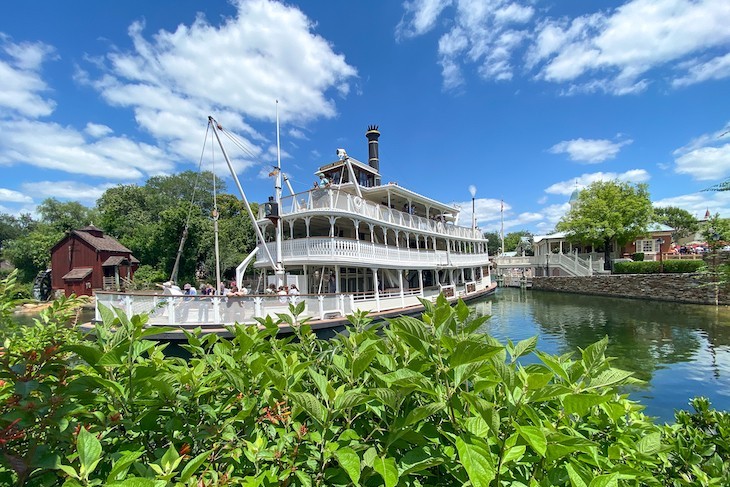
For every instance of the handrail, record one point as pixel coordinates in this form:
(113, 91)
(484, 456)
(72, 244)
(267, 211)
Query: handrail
(335, 199)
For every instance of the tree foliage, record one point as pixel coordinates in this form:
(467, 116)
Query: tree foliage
(421, 402)
(513, 239)
(494, 242)
(608, 211)
(682, 221)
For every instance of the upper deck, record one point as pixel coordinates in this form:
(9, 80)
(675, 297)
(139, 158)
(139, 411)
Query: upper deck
(337, 201)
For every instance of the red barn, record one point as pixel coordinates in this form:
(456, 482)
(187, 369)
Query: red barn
(86, 259)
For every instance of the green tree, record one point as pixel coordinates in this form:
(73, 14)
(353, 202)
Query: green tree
(494, 242)
(62, 216)
(606, 212)
(31, 252)
(682, 221)
(12, 227)
(512, 239)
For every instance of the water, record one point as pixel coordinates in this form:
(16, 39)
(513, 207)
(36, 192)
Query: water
(679, 350)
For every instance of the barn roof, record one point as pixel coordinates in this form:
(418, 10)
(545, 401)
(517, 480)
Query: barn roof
(97, 239)
(77, 273)
(118, 260)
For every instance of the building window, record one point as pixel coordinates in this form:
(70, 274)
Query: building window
(646, 246)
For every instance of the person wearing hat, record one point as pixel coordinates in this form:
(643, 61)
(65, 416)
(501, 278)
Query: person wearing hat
(187, 302)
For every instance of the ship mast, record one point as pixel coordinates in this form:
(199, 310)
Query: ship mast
(216, 128)
(279, 222)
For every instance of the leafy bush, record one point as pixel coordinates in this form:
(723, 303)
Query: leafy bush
(646, 267)
(683, 266)
(145, 276)
(424, 402)
(672, 266)
(637, 256)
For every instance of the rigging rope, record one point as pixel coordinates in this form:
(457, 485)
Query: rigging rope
(176, 266)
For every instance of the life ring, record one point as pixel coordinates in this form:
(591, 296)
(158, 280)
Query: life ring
(357, 201)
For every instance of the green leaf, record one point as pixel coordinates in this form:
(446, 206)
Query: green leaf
(362, 361)
(411, 331)
(311, 405)
(534, 437)
(136, 482)
(476, 458)
(609, 377)
(88, 353)
(387, 469)
(350, 462)
(554, 365)
(514, 454)
(417, 460)
(193, 465)
(472, 350)
(581, 403)
(608, 480)
(123, 463)
(89, 449)
(423, 412)
(323, 385)
(350, 399)
(593, 354)
(650, 444)
(575, 479)
(524, 347)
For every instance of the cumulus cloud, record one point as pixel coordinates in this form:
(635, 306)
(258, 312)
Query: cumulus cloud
(97, 130)
(706, 157)
(698, 203)
(599, 51)
(21, 81)
(12, 196)
(67, 190)
(236, 70)
(589, 151)
(65, 149)
(584, 180)
(486, 210)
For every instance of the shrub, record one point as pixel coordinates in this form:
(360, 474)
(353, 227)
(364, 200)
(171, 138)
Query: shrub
(637, 256)
(646, 267)
(146, 275)
(675, 266)
(424, 402)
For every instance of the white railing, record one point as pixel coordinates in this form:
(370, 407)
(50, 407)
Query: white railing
(334, 199)
(571, 263)
(344, 250)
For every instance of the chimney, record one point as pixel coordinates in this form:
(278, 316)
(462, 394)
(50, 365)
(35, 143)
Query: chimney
(373, 134)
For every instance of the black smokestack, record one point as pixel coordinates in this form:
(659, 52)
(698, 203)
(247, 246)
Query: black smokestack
(373, 134)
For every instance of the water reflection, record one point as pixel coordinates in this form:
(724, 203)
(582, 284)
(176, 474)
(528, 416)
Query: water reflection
(680, 350)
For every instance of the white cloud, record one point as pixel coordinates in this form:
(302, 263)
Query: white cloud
(12, 196)
(584, 180)
(617, 51)
(65, 149)
(590, 151)
(698, 203)
(705, 158)
(486, 210)
(235, 70)
(68, 190)
(21, 85)
(699, 71)
(420, 16)
(97, 130)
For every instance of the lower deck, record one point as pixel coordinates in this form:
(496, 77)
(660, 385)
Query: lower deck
(214, 313)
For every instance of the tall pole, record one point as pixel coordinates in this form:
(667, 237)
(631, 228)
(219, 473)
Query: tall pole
(256, 228)
(215, 233)
(502, 230)
(279, 222)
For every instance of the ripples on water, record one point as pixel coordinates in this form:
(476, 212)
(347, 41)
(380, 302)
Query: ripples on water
(680, 350)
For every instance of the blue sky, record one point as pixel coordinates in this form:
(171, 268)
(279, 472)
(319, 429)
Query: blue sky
(522, 99)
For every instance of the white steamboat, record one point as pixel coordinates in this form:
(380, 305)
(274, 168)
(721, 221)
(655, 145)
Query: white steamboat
(349, 243)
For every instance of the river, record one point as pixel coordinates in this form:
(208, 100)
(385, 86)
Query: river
(679, 350)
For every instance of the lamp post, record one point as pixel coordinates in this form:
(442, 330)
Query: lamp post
(659, 242)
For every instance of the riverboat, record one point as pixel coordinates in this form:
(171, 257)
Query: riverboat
(349, 243)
